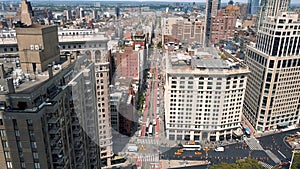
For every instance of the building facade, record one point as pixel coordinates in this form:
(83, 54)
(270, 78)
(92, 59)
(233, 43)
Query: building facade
(204, 96)
(184, 29)
(222, 26)
(272, 95)
(212, 7)
(48, 118)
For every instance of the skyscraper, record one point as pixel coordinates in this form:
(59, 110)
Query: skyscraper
(254, 6)
(212, 7)
(273, 87)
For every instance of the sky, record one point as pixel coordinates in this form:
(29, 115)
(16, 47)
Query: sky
(223, 1)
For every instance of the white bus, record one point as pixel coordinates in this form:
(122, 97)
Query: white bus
(148, 122)
(150, 130)
(192, 147)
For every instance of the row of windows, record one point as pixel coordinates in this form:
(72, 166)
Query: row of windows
(206, 78)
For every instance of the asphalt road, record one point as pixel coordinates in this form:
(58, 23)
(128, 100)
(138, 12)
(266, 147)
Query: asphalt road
(233, 152)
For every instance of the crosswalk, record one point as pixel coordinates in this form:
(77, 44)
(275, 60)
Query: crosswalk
(148, 157)
(146, 141)
(253, 144)
(266, 165)
(272, 156)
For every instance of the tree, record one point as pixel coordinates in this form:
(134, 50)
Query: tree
(159, 45)
(247, 163)
(296, 161)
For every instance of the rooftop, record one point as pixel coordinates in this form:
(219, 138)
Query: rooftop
(203, 61)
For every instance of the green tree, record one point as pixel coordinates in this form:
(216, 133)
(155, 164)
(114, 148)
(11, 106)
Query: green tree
(247, 163)
(159, 45)
(296, 161)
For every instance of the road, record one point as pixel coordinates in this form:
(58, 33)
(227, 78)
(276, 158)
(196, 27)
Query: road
(274, 143)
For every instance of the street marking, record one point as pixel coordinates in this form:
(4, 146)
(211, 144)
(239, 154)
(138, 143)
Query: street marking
(281, 154)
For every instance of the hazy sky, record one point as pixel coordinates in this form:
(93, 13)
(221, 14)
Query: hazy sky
(166, 0)
(223, 1)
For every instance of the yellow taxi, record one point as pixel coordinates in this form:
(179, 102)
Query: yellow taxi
(177, 153)
(198, 153)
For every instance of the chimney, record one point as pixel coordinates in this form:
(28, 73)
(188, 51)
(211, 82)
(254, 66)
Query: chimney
(50, 71)
(10, 85)
(2, 71)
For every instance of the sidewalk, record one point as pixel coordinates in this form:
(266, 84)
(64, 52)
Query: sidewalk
(181, 163)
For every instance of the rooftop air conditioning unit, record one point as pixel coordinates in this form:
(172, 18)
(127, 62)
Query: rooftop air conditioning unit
(36, 47)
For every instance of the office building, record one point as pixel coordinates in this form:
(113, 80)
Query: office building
(272, 95)
(204, 95)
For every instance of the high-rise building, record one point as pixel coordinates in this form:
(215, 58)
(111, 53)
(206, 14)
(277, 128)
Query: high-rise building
(223, 24)
(272, 95)
(48, 117)
(26, 13)
(254, 6)
(204, 96)
(249, 6)
(212, 7)
(68, 14)
(102, 68)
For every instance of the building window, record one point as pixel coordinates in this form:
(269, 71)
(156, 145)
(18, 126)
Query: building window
(37, 165)
(7, 154)
(23, 165)
(9, 164)
(19, 144)
(33, 144)
(29, 122)
(5, 144)
(35, 155)
(17, 133)
(2, 133)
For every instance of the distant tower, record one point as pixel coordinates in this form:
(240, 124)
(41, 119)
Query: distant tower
(117, 12)
(212, 7)
(249, 2)
(254, 6)
(26, 13)
(81, 13)
(68, 14)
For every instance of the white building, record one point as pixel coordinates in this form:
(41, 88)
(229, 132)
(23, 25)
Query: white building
(273, 89)
(204, 95)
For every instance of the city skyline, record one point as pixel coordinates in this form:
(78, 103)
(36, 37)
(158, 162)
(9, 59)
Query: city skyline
(146, 84)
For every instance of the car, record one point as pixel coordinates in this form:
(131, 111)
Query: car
(219, 149)
(198, 153)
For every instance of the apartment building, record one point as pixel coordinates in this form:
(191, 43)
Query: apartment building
(204, 96)
(85, 41)
(48, 118)
(102, 68)
(184, 29)
(212, 7)
(222, 26)
(272, 95)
